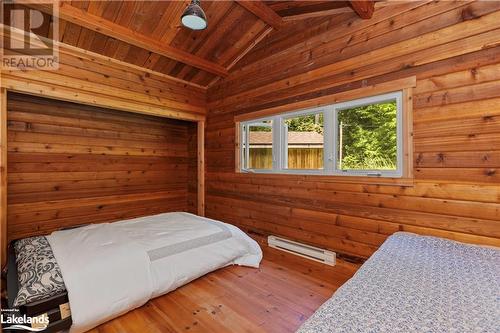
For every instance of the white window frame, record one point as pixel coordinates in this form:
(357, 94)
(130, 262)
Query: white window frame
(245, 133)
(283, 149)
(330, 135)
(398, 96)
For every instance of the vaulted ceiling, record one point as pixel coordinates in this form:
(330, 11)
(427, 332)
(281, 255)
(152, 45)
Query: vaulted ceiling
(149, 33)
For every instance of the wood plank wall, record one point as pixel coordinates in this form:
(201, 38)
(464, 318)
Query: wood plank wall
(452, 47)
(193, 168)
(93, 79)
(71, 164)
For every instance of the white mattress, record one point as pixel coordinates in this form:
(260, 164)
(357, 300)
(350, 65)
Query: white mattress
(112, 268)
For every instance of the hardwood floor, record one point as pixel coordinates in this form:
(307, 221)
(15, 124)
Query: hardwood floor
(277, 297)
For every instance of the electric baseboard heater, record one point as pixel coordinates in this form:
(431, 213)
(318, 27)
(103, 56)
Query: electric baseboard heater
(302, 250)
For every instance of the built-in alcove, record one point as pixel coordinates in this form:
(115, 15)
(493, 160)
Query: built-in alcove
(71, 164)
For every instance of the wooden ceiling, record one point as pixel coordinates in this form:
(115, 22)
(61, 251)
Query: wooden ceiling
(149, 33)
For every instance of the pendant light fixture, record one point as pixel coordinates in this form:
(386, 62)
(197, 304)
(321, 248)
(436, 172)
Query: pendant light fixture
(194, 17)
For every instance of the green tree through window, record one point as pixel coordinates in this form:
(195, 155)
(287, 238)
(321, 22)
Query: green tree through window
(367, 137)
(309, 123)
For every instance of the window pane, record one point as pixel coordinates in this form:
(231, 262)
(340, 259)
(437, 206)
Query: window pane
(305, 142)
(367, 137)
(260, 153)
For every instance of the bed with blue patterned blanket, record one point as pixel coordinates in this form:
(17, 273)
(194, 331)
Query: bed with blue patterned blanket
(417, 284)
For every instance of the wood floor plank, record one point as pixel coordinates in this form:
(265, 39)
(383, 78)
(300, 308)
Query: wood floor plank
(277, 297)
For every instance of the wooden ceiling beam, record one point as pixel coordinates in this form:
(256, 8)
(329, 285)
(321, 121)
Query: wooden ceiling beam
(330, 12)
(98, 24)
(308, 7)
(320, 13)
(249, 48)
(262, 11)
(364, 8)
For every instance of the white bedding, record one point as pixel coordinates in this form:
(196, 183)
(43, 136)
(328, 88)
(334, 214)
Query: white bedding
(112, 268)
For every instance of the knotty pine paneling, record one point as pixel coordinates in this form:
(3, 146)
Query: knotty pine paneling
(71, 164)
(452, 49)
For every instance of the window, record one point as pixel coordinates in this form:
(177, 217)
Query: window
(361, 137)
(368, 136)
(304, 142)
(258, 145)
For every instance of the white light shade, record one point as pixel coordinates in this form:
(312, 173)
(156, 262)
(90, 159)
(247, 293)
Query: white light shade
(194, 22)
(194, 17)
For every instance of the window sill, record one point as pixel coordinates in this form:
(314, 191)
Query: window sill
(383, 181)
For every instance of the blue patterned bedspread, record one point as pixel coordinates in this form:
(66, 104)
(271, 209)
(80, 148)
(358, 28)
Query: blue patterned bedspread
(417, 284)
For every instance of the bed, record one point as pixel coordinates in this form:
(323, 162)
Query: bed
(36, 285)
(111, 268)
(417, 284)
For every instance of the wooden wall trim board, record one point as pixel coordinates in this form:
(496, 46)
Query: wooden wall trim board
(408, 132)
(450, 48)
(71, 89)
(237, 147)
(201, 167)
(3, 174)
